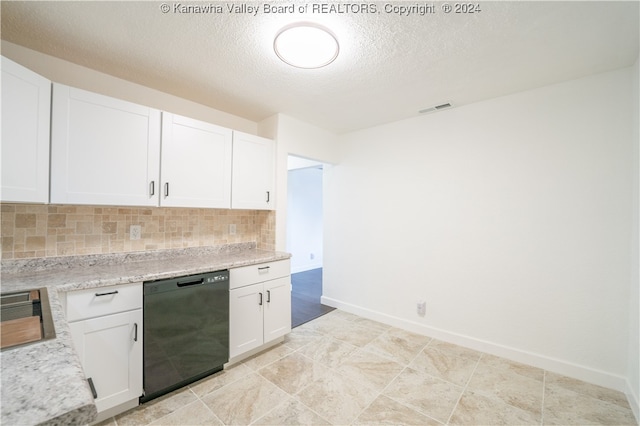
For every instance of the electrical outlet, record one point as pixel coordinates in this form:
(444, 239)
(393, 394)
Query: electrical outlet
(422, 308)
(232, 229)
(135, 232)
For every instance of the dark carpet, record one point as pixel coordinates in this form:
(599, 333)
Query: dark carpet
(305, 297)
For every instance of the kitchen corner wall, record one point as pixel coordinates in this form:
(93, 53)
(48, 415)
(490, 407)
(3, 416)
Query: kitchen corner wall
(30, 230)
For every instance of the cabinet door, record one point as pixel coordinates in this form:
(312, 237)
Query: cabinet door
(196, 163)
(103, 150)
(245, 319)
(110, 350)
(277, 308)
(253, 172)
(26, 106)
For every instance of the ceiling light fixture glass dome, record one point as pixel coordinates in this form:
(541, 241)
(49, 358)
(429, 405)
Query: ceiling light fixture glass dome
(306, 45)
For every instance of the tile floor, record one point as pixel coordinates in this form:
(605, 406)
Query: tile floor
(345, 370)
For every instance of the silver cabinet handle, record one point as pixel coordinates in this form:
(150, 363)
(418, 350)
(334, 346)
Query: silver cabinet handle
(268, 296)
(166, 189)
(264, 268)
(268, 196)
(260, 302)
(152, 188)
(135, 331)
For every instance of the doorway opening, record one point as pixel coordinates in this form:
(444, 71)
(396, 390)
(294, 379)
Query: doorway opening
(304, 238)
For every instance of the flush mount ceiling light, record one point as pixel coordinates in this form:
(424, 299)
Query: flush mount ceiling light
(306, 45)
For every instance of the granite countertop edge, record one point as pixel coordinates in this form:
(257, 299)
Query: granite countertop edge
(43, 383)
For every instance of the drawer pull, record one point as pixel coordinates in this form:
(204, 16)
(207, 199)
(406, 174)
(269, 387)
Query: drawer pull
(93, 388)
(107, 294)
(264, 268)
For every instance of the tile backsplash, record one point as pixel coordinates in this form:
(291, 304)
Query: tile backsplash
(33, 230)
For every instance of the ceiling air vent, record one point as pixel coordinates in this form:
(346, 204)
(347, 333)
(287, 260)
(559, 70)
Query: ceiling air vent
(435, 108)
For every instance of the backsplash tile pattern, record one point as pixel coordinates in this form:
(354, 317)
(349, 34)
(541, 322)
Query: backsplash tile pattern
(33, 230)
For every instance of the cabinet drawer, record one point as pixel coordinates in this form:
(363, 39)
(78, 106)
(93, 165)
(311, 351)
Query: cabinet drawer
(95, 302)
(247, 275)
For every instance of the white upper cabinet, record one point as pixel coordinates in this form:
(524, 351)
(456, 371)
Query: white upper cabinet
(103, 150)
(196, 163)
(253, 172)
(26, 103)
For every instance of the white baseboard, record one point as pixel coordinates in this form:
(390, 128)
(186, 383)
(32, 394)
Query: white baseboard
(558, 366)
(634, 400)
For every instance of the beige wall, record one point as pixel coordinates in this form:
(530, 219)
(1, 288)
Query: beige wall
(30, 230)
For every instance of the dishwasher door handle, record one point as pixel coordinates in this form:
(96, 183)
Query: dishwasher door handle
(188, 283)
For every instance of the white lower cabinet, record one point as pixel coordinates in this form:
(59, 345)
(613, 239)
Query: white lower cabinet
(277, 308)
(109, 345)
(259, 308)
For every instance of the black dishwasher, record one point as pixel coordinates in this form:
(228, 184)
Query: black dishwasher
(186, 330)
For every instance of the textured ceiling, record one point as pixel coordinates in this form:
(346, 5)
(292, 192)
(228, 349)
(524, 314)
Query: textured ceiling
(389, 67)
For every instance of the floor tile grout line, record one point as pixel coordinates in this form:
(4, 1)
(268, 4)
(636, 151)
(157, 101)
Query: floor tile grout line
(405, 367)
(381, 393)
(206, 405)
(173, 411)
(426, 345)
(211, 377)
(334, 369)
(290, 396)
(331, 368)
(464, 389)
(417, 410)
(271, 410)
(295, 397)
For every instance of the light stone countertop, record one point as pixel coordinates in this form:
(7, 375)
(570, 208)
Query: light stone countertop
(43, 382)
